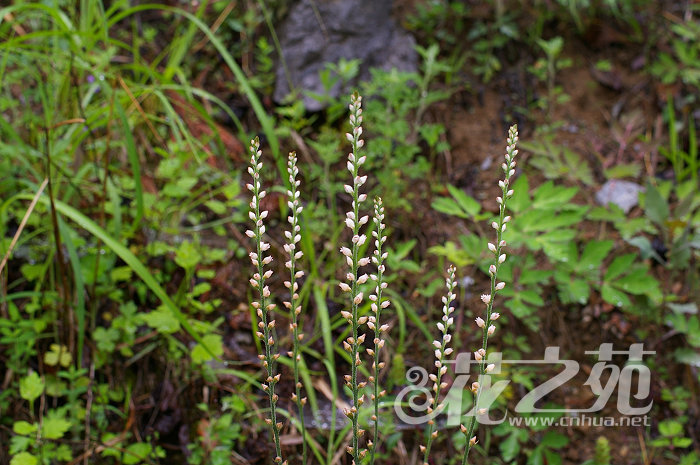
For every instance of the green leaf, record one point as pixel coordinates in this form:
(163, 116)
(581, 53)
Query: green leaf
(467, 203)
(637, 282)
(576, 290)
(212, 344)
(31, 387)
(682, 442)
(452, 253)
(216, 206)
(509, 447)
(187, 256)
(670, 428)
(54, 426)
(614, 296)
(619, 266)
(551, 197)
(24, 458)
(593, 255)
(611, 213)
(531, 297)
(655, 207)
(161, 320)
(623, 170)
(136, 453)
(553, 458)
(555, 440)
(121, 273)
(518, 308)
(24, 428)
(556, 251)
(449, 207)
(521, 195)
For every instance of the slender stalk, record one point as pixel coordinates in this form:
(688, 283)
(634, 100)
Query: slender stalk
(262, 305)
(373, 323)
(487, 328)
(354, 222)
(441, 352)
(293, 237)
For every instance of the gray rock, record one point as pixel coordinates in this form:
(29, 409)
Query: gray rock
(347, 29)
(624, 194)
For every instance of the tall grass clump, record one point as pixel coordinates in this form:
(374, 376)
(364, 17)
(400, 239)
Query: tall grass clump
(486, 324)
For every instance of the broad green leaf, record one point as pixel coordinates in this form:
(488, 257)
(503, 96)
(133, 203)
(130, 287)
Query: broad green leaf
(212, 344)
(556, 251)
(161, 320)
(187, 255)
(121, 273)
(20, 444)
(467, 203)
(136, 453)
(614, 296)
(519, 309)
(452, 253)
(31, 386)
(593, 255)
(555, 440)
(575, 290)
(532, 276)
(670, 428)
(531, 297)
(610, 212)
(548, 196)
(216, 206)
(449, 207)
(24, 458)
(655, 207)
(509, 447)
(637, 282)
(618, 266)
(521, 195)
(682, 443)
(54, 426)
(624, 170)
(24, 428)
(553, 458)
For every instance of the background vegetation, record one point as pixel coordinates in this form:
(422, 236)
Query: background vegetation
(125, 325)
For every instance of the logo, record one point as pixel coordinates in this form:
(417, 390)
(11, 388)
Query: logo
(631, 380)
